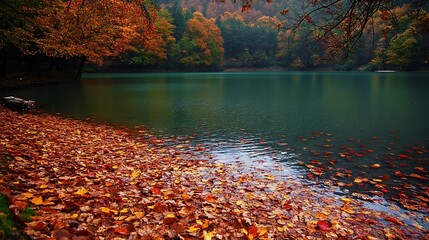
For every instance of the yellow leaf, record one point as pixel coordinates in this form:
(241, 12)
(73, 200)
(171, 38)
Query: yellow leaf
(209, 236)
(74, 216)
(135, 173)
(193, 229)
(139, 214)
(125, 210)
(81, 191)
(269, 177)
(37, 200)
(346, 200)
(130, 218)
(263, 231)
(347, 209)
(243, 230)
(27, 195)
(239, 202)
(105, 209)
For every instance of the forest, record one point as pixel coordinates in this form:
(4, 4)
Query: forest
(44, 36)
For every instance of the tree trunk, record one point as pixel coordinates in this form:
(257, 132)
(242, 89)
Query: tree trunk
(80, 68)
(4, 61)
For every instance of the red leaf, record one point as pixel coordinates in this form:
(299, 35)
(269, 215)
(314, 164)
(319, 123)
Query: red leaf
(403, 156)
(122, 230)
(253, 230)
(324, 225)
(394, 220)
(156, 190)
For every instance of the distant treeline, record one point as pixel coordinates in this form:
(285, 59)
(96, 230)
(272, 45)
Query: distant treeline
(192, 35)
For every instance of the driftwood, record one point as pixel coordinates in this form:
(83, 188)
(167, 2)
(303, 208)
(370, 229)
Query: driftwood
(18, 104)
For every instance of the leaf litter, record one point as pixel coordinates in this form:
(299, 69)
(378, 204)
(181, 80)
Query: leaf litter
(92, 181)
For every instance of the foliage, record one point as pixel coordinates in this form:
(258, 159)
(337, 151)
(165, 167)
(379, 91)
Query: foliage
(93, 29)
(154, 49)
(8, 225)
(380, 34)
(202, 44)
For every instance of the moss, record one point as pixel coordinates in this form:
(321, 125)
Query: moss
(10, 228)
(7, 224)
(27, 213)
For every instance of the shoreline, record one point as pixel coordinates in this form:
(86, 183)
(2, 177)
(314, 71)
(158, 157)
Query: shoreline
(90, 180)
(14, 82)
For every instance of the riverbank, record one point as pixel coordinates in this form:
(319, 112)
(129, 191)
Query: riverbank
(87, 180)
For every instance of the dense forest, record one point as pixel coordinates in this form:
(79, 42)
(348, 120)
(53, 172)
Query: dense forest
(193, 35)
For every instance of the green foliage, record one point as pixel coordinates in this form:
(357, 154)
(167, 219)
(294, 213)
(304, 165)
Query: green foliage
(7, 224)
(27, 213)
(402, 50)
(179, 20)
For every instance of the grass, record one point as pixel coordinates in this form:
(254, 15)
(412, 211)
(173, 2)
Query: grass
(7, 223)
(9, 226)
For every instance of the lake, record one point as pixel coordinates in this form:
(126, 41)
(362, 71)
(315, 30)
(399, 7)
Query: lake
(366, 132)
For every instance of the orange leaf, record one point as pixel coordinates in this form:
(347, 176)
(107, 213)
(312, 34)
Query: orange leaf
(414, 175)
(122, 230)
(38, 200)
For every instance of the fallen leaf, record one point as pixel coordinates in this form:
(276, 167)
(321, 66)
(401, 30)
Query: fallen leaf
(81, 191)
(38, 200)
(324, 225)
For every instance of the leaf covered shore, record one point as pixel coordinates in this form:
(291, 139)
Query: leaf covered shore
(92, 181)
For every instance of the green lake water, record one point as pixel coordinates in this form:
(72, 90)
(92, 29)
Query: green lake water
(295, 118)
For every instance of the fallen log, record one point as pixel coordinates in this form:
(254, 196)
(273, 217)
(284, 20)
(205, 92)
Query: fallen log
(18, 104)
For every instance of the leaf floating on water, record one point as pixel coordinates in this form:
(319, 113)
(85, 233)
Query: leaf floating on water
(375, 165)
(394, 220)
(404, 156)
(414, 175)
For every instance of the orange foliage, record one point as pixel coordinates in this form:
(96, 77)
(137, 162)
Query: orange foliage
(93, 29)
(207, 38)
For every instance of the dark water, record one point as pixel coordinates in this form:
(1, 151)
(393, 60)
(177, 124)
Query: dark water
(296, 118)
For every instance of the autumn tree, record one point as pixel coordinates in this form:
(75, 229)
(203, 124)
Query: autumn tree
(91, 30)
(155, 49)
(14, 26)
(202, 44)
(338, 24)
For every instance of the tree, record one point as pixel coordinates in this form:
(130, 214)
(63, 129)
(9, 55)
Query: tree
(402, 50)
(91, 30)
(179, 20)
(338, 24)
(155, 49)
(234, 32)
(14, 26)
(202, 43)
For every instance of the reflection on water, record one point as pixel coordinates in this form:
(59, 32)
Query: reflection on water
(265, 118)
